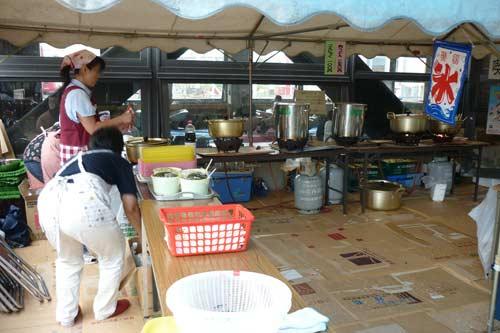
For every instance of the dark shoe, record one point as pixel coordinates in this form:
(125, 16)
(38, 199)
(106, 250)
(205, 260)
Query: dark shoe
(121, 306)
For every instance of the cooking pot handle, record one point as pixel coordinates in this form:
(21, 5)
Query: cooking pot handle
(391, 115)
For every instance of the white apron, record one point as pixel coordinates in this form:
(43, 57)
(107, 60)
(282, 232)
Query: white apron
(76, 210)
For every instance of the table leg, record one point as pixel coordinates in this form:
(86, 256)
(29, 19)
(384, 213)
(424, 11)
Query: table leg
(145, 263)
(479, 157)
(327, 181)
(454, 166)
(346, 181)
(363, 180)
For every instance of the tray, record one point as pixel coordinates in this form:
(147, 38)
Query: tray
(181, 195)
(141, 179)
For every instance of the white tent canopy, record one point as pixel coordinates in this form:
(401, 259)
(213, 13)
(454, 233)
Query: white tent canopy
(392, 28)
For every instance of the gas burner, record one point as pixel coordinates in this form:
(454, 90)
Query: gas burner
(292, 145)
(228, 144)
(407, 139)
(442, 138)
(346, 141)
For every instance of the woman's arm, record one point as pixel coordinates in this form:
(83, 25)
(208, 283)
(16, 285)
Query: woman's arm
(91, 124)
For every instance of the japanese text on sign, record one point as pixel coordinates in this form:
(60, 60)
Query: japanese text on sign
(334, 58)
(494, 71)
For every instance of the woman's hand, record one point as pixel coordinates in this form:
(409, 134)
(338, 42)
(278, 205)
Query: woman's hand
(128, 118)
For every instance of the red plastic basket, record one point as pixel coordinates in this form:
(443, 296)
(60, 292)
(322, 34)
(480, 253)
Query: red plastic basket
(206, 229)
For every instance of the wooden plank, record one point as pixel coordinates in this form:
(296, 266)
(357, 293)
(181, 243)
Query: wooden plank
(168, 269)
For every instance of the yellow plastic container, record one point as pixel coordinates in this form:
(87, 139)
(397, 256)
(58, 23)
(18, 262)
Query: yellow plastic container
(160, 325)
(168, 154)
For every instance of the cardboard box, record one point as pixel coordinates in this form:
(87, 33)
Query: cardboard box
(139, 278)
(30, 204)
(147, 308)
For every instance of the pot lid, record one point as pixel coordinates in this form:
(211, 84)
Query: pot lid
(233, 120)
(409, 114)
(146, 140)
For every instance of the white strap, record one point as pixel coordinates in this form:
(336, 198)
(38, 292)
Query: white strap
(80, 163)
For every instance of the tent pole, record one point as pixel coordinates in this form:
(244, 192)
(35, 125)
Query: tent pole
(250, 92)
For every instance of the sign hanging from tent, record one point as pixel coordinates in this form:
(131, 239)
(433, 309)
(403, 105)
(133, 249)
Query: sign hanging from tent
(494, 70)
(450, 65)
(493, 124)
(334, 57)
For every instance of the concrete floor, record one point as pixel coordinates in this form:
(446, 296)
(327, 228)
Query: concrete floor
(407, 271)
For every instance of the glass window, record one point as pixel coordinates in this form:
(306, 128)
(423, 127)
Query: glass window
(411, 65)
(28, 105)
(234, 103)
(30, 50)
(197, 91)
(47, 50)
(412, 92)
(270, 91)
(275, 57)
(378, 63)
(213, 55)
(119, 52)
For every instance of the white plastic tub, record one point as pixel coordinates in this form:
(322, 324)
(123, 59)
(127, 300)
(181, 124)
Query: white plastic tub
(166, 185)
(229, 302)
(196, 186)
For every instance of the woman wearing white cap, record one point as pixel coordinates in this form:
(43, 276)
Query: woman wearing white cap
(77, 110)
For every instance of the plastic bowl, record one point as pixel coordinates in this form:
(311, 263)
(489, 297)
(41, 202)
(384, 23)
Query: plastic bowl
(228, 302)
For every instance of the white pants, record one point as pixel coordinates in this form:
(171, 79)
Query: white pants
(74, 211)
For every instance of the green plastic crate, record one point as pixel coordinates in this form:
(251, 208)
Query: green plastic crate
(398, 167)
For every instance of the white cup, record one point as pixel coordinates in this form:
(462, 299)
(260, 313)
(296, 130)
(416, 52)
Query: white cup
(104, 115)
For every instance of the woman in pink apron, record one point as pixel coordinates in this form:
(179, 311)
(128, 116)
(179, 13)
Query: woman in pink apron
(77, 111)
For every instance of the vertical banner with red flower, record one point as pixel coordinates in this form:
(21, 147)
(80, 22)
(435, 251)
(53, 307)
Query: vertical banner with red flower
(450, 66)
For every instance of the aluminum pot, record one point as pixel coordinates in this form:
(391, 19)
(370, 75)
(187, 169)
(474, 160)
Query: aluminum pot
(408, 123)
(226, 128)
(382, 194)
(438, 127)
(291, 120)
(348, 120)
(135, 145)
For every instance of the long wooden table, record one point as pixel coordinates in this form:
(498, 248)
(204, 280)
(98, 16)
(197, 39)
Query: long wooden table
(365, 152)
(167, 269)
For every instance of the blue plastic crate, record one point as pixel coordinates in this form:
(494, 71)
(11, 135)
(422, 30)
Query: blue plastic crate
(233, 186)
(408, 180)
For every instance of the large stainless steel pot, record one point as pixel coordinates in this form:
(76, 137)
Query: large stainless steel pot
(292, 121)
(226, 128)
(135, 145)
(407, 123)
(382, 194)
(348, 120)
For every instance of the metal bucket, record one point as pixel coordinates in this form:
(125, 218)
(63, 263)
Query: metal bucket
(348, 121)
(291, 121)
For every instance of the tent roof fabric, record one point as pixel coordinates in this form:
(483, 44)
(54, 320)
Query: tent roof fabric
(383, 27)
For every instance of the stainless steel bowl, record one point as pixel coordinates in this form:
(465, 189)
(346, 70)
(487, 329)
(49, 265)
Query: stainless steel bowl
(408, 123)
(382, 194)
(438, 127)
(226, 128)
(134, 146)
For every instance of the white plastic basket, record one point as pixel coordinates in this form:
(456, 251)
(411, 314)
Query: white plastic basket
(229, 302)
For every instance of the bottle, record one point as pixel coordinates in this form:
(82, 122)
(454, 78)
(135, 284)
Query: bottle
(190, 134)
